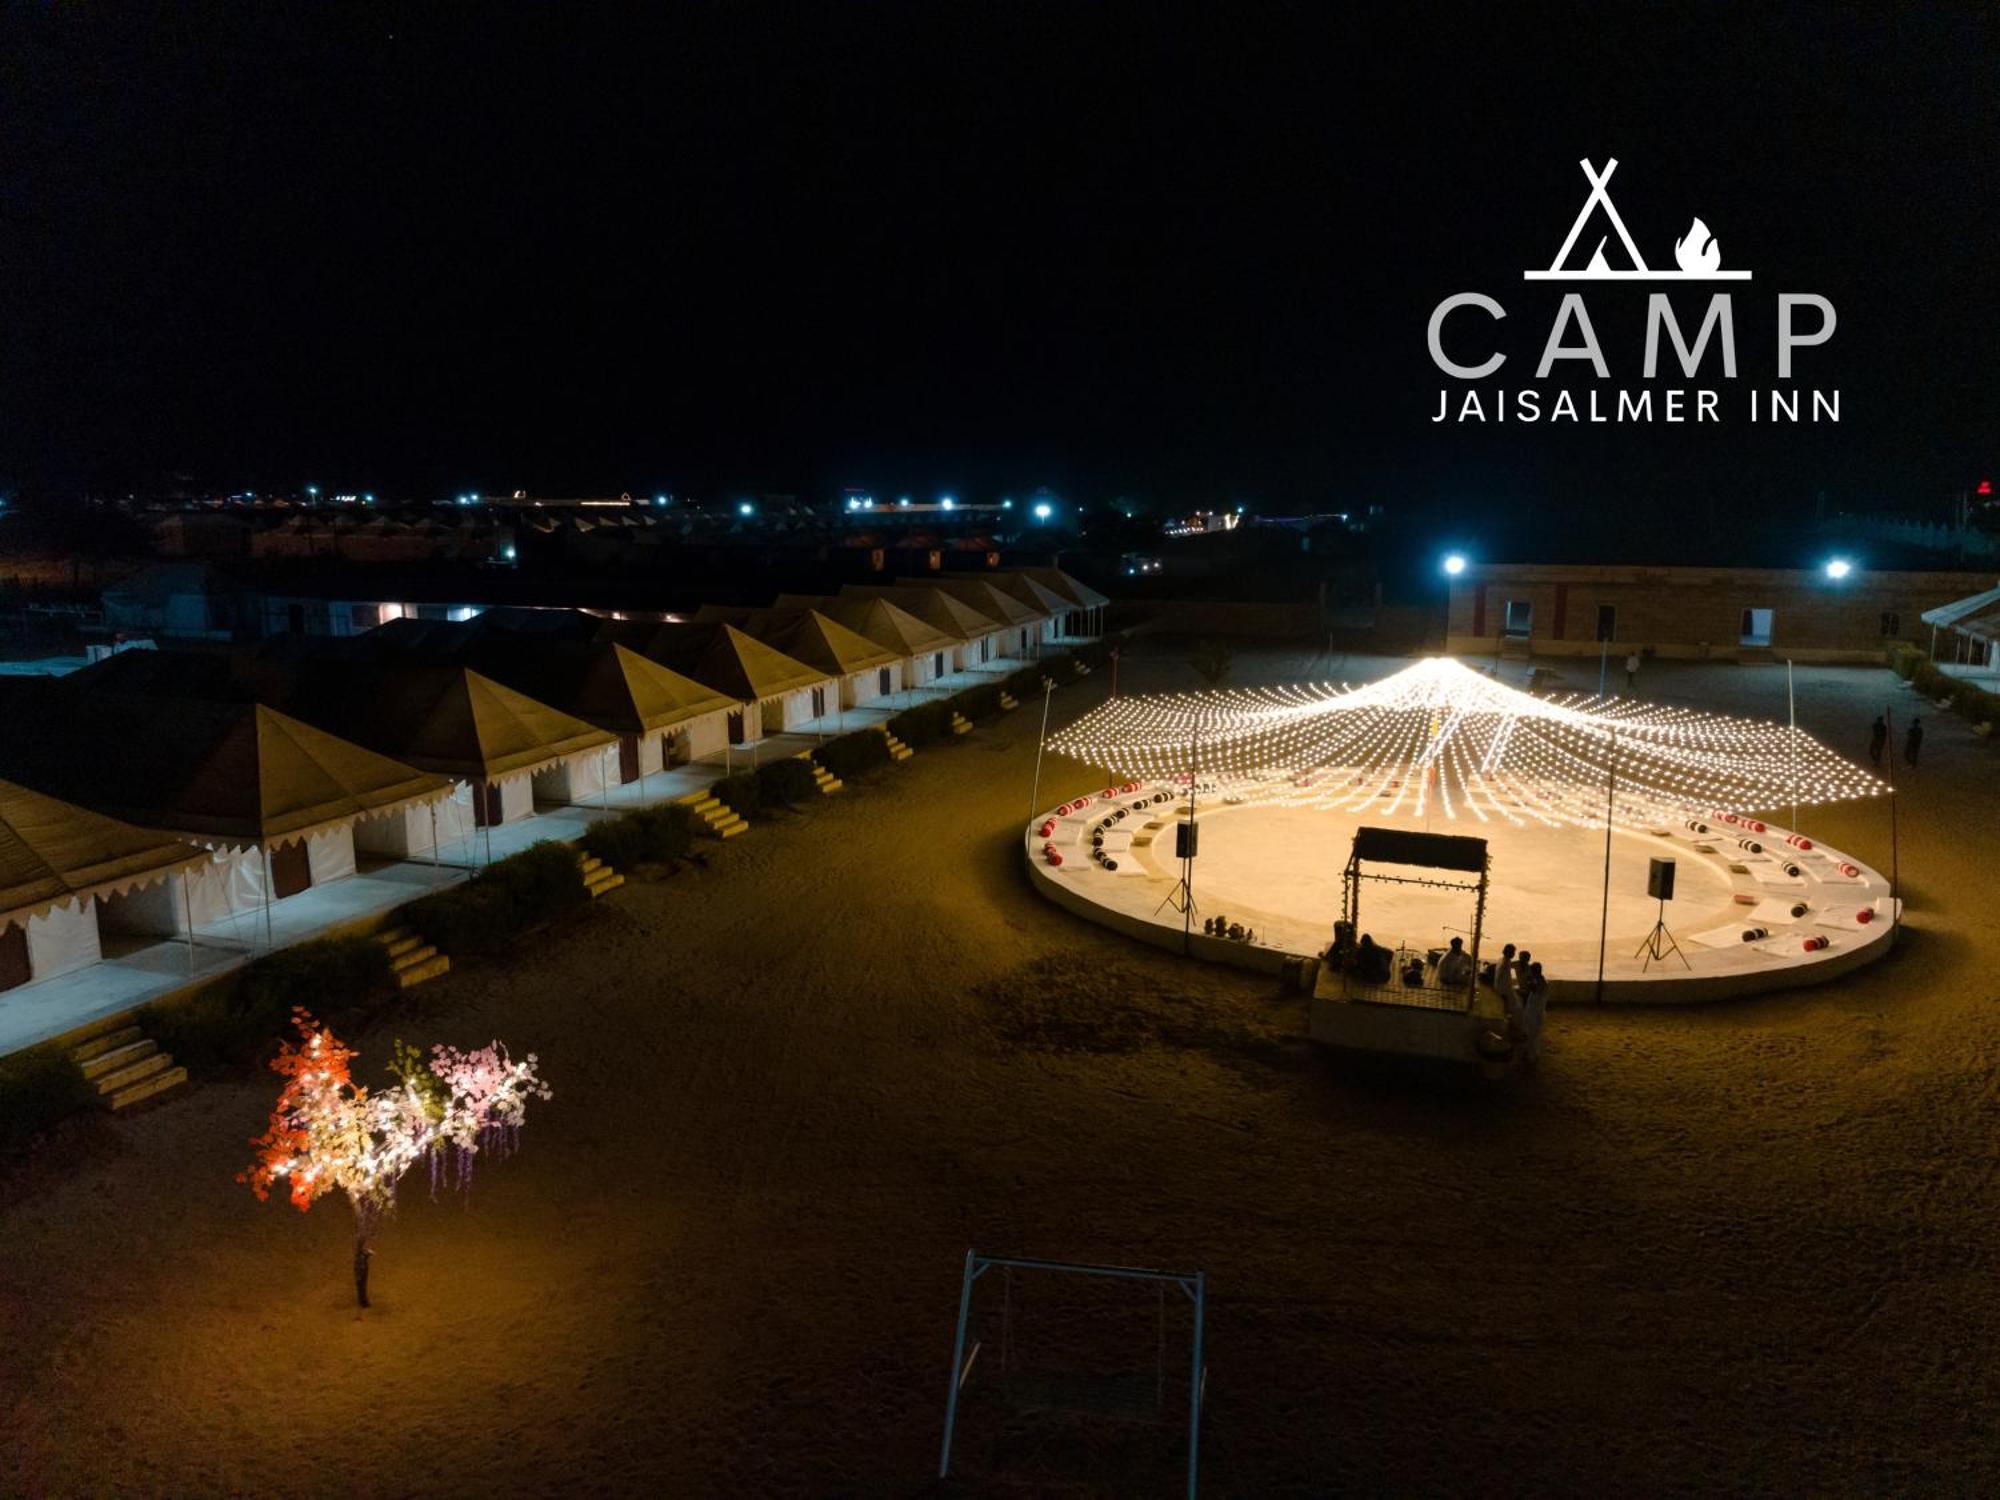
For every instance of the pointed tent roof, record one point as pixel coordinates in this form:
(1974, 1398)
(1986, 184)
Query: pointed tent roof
(1962, 609)
(818, 640)
(52, 852)
(722, 657)
(443, 717)
(888, 625)
(988, 600)
(1039, 597)
(932, 605)
(600, 682)
(1081, 595)
(233, 771)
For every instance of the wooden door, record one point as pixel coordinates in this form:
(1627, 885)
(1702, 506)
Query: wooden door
(14, 957)
(291, 871)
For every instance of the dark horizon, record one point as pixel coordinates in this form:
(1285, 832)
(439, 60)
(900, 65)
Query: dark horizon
(1171, 256)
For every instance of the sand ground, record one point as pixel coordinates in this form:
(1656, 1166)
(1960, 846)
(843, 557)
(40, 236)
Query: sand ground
(1742, 1248)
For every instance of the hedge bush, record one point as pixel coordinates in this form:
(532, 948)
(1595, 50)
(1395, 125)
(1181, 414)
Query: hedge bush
(743, 793)
(981, 702)
(1026, 683)
(863, 750)
(488, 912)
(232, 1025)
(38, 1086)
(789, 781)
(923, 724)
(652, 835)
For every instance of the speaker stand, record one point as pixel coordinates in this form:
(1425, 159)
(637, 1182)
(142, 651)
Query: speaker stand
(1181, 897)
(1660, 942)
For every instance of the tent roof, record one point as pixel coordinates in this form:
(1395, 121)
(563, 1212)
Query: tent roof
(233, 771)
(721, 657)
(888, 624)
(600, 682)
(1961, 609)
(932, 605)
(1037, 596)
(53, 851)
(818, 640)
(1081, 595)
(442, 716)
(988, 600)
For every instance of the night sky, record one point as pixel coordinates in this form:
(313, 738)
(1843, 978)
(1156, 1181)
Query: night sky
(422, 248)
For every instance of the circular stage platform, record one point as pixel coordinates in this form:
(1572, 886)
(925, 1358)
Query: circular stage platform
(1275, 869)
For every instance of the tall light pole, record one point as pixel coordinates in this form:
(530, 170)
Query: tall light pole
(1453, 567)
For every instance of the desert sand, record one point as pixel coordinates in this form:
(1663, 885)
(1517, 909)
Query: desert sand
(1745, 1247)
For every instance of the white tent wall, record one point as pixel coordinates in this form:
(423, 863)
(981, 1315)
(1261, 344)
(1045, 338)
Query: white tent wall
(796, 708)
(652, 751)
(151, 912)
(231, 884)
(707, 735)
(578, 778)
(330, 855)
(517, 798)
(62, 939)
(406, 833)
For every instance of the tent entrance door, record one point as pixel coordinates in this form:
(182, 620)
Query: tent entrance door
(291, 870)
(486, 811)
(628, 759)
(14, 957)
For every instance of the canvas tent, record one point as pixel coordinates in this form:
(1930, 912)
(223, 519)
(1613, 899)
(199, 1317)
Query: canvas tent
(57, 862)
(1974, 620)
(980, 637)
(1085, 620)
(446, 718)
(1026, 624)
(865, 671)
(275, 800)
(925, 651)
(775, 690)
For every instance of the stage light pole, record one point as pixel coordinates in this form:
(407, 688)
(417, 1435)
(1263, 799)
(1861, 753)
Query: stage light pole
(1604, 915)
(1035, 796)
(1454, 567)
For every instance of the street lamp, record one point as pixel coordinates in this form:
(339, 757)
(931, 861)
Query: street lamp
(1454, 563)
(1838, 568)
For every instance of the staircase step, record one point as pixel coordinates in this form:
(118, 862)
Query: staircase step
(97, 1046)
(400, 942)
(159, 1083)
(730, 830)
(123, 1078)
(119, 1057)
(590, 865)
(409, 958)
(430, 968)
(602, 880)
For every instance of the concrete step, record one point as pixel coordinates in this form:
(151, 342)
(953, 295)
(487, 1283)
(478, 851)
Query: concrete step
(97, 1046)
(119, 1057)
(409, 958)
(590, 865)
(729, 829)
(602, 879)
(1008, 702)
(399, 940)
(148, 1088)
(119, 1079)
(428, 968)
(960, 724)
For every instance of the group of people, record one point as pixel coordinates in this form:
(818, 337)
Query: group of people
(1878, 739)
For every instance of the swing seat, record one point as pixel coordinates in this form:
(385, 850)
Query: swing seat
(1132, 1398)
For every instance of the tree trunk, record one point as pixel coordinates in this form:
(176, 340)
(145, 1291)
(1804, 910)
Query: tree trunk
(362, 1252)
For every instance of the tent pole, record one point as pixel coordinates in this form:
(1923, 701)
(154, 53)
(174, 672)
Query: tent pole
(265, 851)
(1604, 916)
(187, 907)
(1792, 743)
(1035, 795)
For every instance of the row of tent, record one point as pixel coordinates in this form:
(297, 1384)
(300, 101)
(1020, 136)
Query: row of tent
(157, 792)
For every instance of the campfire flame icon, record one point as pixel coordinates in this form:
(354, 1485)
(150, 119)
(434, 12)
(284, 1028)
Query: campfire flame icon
(1696, 253)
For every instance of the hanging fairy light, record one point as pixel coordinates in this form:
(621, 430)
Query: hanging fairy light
(1440, 739)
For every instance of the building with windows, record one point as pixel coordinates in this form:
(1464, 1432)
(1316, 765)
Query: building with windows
(1827, 614)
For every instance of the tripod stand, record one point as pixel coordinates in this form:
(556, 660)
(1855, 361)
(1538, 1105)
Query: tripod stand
(1181, 897)
(1660, 942)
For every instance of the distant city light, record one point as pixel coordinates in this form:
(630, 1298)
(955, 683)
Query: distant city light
(507, 552)
(745, 508)
(368, 499)
(312, 489)
(904, 501)
(1838, 567)
(1455, 564)
(1006, 504)
(948, 503)
(659, 499)
(1044, 510)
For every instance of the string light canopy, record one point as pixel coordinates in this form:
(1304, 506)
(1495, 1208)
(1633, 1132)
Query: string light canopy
(1439, 739)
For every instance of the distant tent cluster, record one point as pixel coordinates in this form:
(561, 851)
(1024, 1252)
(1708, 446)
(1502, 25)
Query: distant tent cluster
(158, 792)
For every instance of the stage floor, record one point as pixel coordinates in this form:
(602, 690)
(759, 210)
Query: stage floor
(1276, 870)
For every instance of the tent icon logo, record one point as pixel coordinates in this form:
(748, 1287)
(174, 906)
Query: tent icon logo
(1697, 255)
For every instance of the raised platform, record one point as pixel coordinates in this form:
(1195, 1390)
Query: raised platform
(1275, 870)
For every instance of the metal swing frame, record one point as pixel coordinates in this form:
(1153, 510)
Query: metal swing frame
(1193, 1284)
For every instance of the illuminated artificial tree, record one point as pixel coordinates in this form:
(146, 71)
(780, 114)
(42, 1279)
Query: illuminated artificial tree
(329, 1132)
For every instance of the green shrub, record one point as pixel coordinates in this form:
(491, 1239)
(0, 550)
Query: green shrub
(981, 702)
(742, 793)
(789, 781)
(234, 1023)
(652, 835)
(861, 751)
(488, 912)
(202, 1032)
(923, 724)
(38, 1087)
(1026, 683)
(1905, 658)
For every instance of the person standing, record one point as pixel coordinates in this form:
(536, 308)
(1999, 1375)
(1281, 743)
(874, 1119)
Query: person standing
(1913, 742)
(1878, 736)
(1631, 670)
